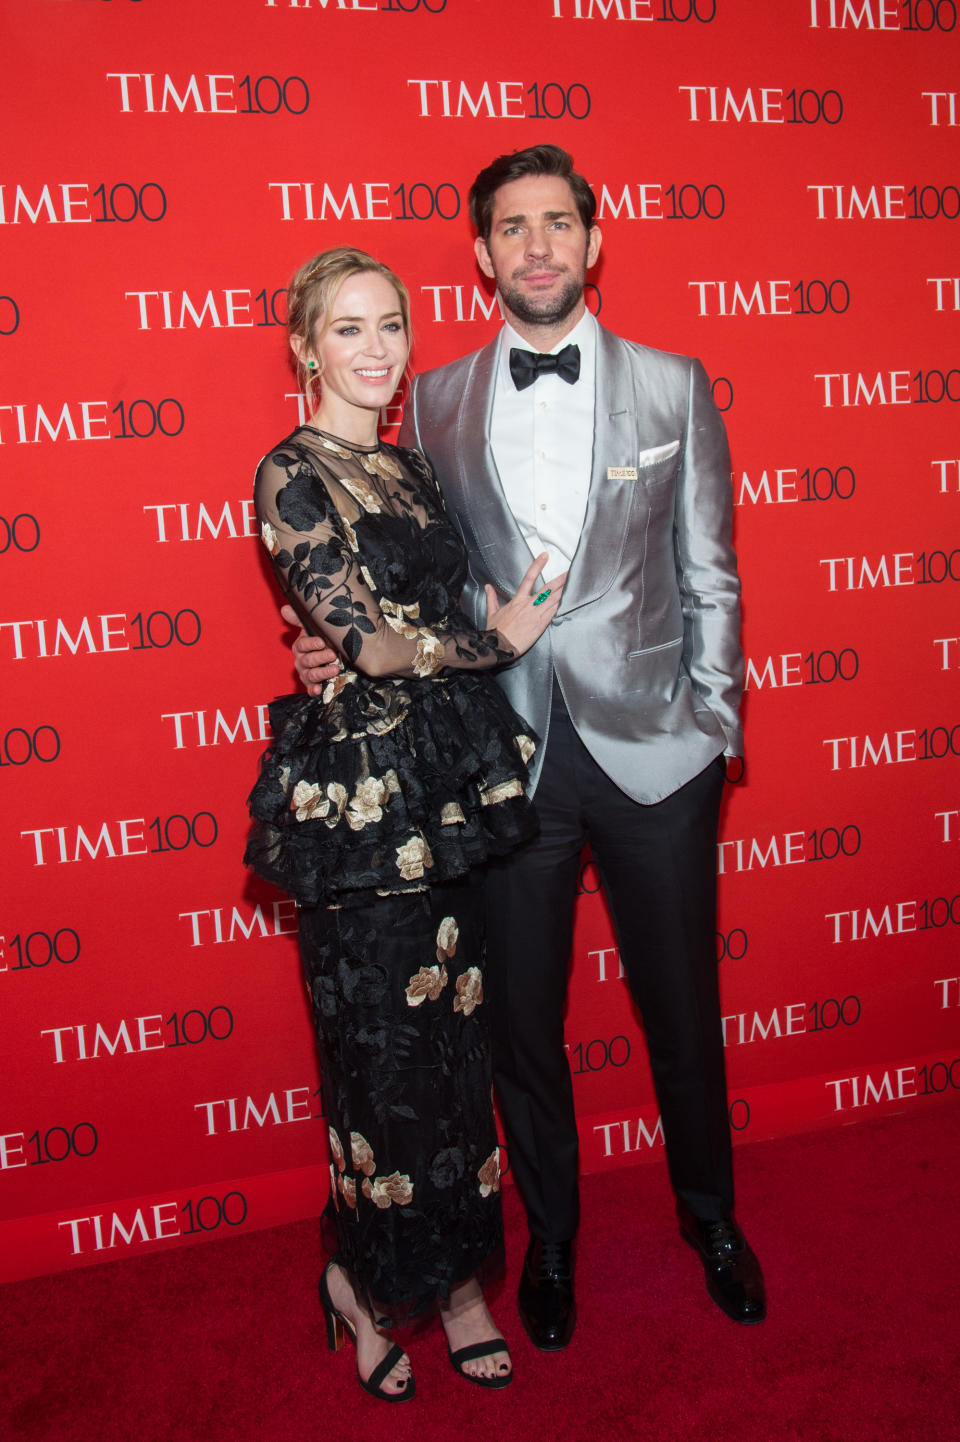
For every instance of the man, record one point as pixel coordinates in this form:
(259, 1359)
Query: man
(559, 436)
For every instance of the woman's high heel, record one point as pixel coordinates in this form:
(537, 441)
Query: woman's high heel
(336, 1331)
(340, 1327)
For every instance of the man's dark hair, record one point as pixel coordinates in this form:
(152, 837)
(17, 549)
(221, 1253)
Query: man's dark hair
(535, 160)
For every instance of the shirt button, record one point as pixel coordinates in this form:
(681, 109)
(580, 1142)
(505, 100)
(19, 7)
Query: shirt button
(543, 505)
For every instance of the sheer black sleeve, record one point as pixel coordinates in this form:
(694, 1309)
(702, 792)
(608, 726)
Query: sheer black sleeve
(307, 516)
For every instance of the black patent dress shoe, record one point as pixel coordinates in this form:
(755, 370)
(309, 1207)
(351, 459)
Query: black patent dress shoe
(545, 1298)
(734, 1278)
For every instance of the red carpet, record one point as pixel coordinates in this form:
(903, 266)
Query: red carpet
(857, 1229)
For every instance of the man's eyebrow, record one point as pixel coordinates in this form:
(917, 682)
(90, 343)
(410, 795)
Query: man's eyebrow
(547, 215)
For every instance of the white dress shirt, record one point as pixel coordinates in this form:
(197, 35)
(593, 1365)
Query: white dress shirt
(542, 443)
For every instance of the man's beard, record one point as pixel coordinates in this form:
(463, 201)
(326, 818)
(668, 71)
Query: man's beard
(545, 310)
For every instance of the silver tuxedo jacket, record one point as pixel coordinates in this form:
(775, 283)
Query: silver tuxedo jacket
(646, 641)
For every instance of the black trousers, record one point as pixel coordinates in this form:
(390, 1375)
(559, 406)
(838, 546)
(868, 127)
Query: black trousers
(658, 869)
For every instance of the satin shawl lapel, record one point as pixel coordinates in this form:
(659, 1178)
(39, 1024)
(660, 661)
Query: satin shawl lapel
(609, 502)
(504, 553)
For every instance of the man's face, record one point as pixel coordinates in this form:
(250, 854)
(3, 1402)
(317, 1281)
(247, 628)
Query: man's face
(539, 250)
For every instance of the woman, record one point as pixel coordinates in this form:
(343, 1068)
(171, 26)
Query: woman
(375, 806)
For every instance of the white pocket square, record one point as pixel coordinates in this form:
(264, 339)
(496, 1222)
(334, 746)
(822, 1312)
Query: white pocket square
(658, 453)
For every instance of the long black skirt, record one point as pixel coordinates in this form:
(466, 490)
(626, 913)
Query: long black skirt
(400, 1017)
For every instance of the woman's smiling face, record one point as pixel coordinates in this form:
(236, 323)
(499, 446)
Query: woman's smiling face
(361, 350)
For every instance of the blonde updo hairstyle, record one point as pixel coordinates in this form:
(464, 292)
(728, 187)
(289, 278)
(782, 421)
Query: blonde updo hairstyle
(310, 300)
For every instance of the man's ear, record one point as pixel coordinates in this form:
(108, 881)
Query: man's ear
(483, 256)
(594, 240)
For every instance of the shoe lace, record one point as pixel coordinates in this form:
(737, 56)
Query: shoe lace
(554, 1260)
(723, 1239)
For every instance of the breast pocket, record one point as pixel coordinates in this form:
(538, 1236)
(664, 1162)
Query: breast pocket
(655, 455)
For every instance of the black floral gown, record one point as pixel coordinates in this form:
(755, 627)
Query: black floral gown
(375, 805)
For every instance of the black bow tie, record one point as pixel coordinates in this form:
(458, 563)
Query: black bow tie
(526, 365)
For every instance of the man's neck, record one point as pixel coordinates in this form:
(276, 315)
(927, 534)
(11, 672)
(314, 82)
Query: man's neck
(543, 338)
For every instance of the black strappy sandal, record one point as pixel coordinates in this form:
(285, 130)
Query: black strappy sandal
(339, 1327)
(471, 1353)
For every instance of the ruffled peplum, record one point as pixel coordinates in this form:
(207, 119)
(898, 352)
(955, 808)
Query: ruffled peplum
(388, 785)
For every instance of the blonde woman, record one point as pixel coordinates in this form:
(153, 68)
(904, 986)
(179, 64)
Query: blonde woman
(377, 804)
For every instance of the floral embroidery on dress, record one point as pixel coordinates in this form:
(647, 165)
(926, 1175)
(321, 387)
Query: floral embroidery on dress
(448, 934)
(384, 1190)
(378, 463)
(341, 451)
(502, 792)
(526, 747)
(413, 857)
(396, 615)
(429, 657)
(269, 538)
(365, 496)
(367, 803)
(469, 991)
(309, 801)
(361, 1154)
(426, 985)
(489, 1174)
(336, 684)
(447, 1167)
(336, 1150)
(337, 793)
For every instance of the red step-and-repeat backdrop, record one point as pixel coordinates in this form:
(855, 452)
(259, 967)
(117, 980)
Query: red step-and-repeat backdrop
(779, 193)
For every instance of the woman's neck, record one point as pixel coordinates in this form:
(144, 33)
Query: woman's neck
(357, 426)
